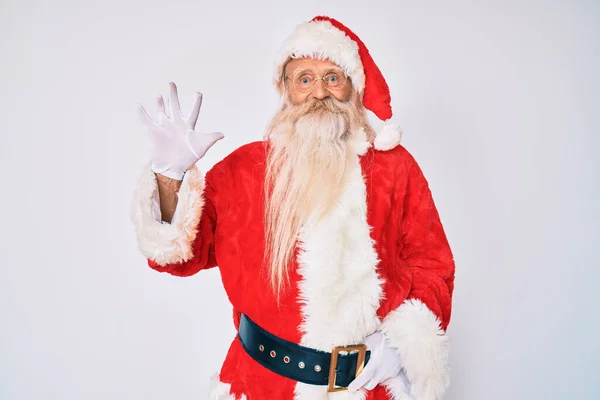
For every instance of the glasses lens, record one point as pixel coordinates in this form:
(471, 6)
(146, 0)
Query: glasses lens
(335, 79)
(304, 81)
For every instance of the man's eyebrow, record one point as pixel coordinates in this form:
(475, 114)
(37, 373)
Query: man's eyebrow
(325, 72)
(303, 71)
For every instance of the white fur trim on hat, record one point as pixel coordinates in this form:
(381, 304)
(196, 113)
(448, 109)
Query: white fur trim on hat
(388, 138)
(322, 40)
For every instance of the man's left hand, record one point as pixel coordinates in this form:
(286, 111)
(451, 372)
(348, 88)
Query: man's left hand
(384, 363)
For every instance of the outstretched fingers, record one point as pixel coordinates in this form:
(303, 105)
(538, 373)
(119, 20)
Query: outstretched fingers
(192, 119)
(160, 103)
(145, 118)
(174, 101)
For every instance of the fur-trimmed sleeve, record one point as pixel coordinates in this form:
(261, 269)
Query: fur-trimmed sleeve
(417, 327)
(186, 245)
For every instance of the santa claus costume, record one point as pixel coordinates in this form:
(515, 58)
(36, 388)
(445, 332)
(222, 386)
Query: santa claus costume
(379, 260)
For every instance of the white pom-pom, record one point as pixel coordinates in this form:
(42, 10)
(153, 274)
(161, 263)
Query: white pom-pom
(388, 138)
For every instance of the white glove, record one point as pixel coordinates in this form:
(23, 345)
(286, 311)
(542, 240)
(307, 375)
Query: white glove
(176, 146)
(384, 363)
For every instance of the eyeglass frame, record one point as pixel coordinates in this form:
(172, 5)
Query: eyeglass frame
(286, 77)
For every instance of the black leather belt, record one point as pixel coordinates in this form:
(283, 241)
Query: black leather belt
(301, 363)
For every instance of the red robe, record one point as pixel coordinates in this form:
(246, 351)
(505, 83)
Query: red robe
(379, 260)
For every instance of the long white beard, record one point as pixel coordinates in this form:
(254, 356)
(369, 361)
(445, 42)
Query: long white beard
(311, 150)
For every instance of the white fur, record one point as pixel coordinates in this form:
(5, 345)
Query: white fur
(340, 289)
(360, 143)
(320, 39)
(162, 242)
(388, 138)
(423, 345)
(220, 390)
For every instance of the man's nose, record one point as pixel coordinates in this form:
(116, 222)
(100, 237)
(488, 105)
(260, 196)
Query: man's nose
(320, 91)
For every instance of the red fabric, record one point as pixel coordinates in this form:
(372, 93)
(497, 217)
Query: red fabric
(377, 93)
(423, 267)
(416, 260)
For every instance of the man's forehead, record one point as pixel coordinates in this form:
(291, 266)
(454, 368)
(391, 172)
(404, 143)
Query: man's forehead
(310, 63)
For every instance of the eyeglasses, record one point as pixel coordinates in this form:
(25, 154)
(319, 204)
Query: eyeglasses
(304, 80)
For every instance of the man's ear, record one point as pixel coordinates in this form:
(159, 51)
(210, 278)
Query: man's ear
(281, 86)
(284, 92)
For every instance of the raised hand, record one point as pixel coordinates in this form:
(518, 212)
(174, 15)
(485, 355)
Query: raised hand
(176, 146)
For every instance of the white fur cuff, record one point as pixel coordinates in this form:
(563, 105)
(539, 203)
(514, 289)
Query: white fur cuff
(163, 242)
(423, 346)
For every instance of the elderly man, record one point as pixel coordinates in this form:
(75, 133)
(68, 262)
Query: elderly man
(328, 241)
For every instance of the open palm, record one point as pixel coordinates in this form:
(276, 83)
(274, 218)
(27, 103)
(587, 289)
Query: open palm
(176, 145)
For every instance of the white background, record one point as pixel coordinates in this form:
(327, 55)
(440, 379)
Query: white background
(498, 101)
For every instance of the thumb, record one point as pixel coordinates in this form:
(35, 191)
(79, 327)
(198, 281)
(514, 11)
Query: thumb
(216, 136)
(213, 138)
(199, 143)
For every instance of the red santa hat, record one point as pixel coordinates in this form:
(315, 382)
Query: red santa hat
(325, 38)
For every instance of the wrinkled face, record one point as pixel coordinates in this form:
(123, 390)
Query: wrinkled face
(320, 79)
